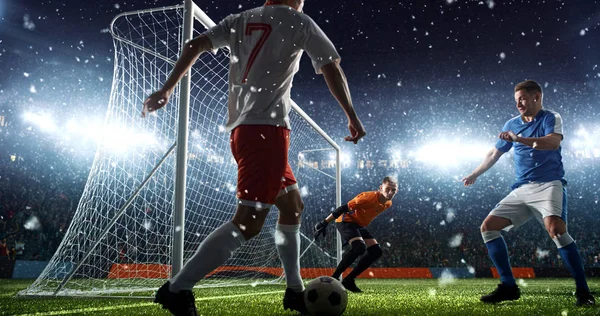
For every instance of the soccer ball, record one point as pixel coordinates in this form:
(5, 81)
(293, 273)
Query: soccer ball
(325, 296)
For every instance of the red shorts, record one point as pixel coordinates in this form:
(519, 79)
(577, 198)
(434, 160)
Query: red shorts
(261, 153)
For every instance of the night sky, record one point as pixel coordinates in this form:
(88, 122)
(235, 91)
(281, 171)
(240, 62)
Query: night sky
(418, 70)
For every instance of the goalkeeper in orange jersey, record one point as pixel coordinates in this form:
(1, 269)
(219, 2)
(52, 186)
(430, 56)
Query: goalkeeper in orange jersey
(351, 220)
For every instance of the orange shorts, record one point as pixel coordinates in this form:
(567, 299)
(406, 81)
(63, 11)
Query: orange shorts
(261, 153)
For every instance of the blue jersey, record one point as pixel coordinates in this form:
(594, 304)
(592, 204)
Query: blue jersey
(532, 165)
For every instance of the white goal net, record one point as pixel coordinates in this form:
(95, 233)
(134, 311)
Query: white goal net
(120, 240)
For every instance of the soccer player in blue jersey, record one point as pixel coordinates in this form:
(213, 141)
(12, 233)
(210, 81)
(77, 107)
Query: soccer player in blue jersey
(540, 191)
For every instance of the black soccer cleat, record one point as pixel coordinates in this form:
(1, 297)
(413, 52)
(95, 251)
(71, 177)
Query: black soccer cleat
(179, 304)
(584, 298)
(350, 285)
(502, 293)
(294, 301)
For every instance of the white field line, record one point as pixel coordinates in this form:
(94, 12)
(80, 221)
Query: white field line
(530, 282)
(114, 307)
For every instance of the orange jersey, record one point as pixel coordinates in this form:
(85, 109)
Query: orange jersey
(364, 208)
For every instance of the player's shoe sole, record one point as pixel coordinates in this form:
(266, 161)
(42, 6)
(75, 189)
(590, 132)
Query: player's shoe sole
(179, 304)
(294, 301)
(502, 293)
(350, 285)
(584, 298)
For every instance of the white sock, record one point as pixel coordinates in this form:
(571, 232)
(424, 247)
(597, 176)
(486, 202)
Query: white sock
(289, 254)
(212, 252)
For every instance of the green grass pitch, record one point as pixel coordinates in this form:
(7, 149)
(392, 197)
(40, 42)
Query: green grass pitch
(380, 297)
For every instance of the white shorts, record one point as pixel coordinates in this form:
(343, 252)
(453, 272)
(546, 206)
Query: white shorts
(536, 199)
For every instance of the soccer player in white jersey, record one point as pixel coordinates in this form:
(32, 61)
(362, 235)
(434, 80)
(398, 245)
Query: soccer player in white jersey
(540, 191)
(265, 44)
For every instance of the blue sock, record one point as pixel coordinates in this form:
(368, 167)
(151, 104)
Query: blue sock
(499, 255)
(572, 259)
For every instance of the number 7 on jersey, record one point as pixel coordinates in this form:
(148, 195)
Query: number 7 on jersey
(266, 31)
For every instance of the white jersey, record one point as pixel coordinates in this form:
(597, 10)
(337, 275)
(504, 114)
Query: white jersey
(266, 44)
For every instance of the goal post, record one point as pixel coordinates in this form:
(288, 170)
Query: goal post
(158, 186)
(182, 145)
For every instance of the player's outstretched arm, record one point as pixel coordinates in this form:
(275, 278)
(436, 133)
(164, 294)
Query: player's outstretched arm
(548, 142)
(190, 53)
(490, 159)
(338, 86)
(321, 227)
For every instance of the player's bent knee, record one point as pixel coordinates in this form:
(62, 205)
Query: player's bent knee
(563, 240)
(554, 232)
(493, 222)
(490, 235)
(482, 228)
(375, 251)
(486, 225)
(248, 231)
(290, 203)
(300, 206)
(358, 247)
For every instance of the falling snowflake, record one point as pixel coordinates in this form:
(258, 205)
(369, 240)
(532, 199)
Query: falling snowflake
(304, 191)
(522, 282)
(279, 238)
(446, 278)
(450, 215)
(32, 223)
(542, 253)
(455, 241)
(28, 23)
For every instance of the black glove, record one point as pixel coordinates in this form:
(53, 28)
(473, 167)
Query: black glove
(321, 229)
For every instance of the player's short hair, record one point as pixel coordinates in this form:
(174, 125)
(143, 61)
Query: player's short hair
(389, 180)
(530, 86)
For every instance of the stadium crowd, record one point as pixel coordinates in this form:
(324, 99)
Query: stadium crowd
(434, 221)
(37, 203)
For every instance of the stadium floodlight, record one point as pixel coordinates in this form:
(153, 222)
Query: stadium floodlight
(143, 212)
(345, 158)
(450, 154)
(584, 139)
(586, 144)
(72, 126)
(43, 121)
(396, 155)
(115, 137)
